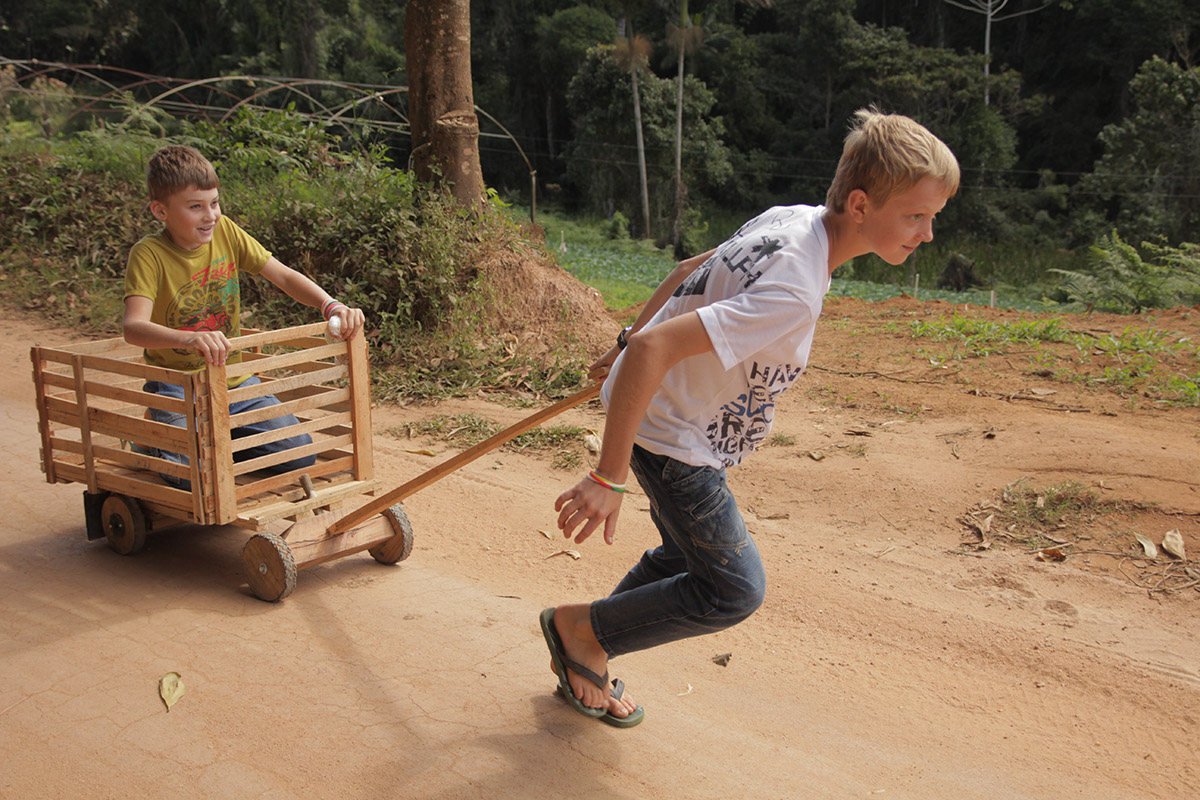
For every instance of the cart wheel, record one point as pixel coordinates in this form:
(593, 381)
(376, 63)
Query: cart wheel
(399, 547)
(124, 524)
(270, 567)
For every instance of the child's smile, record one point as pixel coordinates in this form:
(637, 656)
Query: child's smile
(896, 229)
(190, 216)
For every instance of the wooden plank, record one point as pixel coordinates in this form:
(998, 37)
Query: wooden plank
(311, 546)
(303, 367)
(260, 516)
(45, 429)
(285, 360)
(261, 338)
(135, 370)
(450, 465)
(85, 425)
(57, 379)
(221, 466)
(64, 353)
(196, 466)
(360, 403)
(141, 461)
(283, 456)
(136, 397)
(147, 487)
(137, 429)
(320, 424)
(284, 384)
(291, 407)
(288, 479)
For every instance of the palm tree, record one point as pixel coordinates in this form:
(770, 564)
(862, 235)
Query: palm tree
(685, 38)
(633, 53)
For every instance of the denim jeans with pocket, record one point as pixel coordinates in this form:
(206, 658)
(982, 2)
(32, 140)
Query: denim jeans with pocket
(705, 576)
(236, 407)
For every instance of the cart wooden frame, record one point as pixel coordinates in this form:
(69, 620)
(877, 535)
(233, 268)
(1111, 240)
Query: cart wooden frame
(92, 418)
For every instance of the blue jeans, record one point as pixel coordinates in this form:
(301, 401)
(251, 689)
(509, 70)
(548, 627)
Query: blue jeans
(705, 576)
(236, 407)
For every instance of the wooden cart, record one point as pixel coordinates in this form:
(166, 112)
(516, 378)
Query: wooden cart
(92, 416)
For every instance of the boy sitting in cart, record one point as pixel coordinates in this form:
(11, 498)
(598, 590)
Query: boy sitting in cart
(182, 298)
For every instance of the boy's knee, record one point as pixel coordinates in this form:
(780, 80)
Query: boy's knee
(745, 603)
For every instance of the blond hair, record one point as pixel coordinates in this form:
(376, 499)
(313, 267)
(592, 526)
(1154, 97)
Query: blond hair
(177, 167)
(886, 154)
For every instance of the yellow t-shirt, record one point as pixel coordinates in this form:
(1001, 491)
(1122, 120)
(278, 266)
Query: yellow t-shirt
(194, 290)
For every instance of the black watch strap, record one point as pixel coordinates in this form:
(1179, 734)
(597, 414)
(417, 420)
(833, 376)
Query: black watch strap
(621, 340)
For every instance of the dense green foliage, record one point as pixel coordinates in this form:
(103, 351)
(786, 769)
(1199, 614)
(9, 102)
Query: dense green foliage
(1085, 119)
(362, 229)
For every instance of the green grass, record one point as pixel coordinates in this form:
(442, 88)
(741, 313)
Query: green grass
(1133, 364)
(626, 271)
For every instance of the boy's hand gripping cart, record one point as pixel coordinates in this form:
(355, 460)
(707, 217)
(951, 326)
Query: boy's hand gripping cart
(92, 416)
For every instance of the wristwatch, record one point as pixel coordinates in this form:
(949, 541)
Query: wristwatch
(621, 340)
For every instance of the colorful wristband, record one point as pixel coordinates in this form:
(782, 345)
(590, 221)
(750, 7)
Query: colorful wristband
(616, 487)
(329, 306)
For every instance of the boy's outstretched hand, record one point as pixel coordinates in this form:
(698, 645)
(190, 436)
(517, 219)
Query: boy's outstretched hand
(351, 321)
(588, 504)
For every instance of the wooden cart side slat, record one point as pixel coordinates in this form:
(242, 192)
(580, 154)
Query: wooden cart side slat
(220, 462)
(285, 360)
(264, 372)
(289, 407)
(149, 487)
(63, 353)
(136, 429)
(133, 485)
(272, 483)
(195, 465)
(360, 398)
(284, 384)
(134, 369)
(138, 398)
(85, 423)
(57, 379)
(283, 456)
(44, 426)
(65, 380)
(314, 391)
(252, 338)
(319, 425)
(125, 459)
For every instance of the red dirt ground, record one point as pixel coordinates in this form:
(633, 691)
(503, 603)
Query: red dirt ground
(895, 657)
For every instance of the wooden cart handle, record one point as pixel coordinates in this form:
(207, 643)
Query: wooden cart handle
(362, 514)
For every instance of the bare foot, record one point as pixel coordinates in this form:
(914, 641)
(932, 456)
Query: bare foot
(574, 626)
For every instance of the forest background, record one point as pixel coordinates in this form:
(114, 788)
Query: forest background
(1077, 125)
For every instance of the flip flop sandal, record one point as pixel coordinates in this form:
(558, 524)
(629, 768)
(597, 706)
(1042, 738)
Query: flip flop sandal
(635, 716)
(562, 663)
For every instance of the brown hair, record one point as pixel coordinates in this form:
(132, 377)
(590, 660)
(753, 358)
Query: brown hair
(886, 154)
(176, 167)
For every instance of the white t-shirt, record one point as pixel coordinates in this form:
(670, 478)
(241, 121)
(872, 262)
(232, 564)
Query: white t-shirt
(758, 298)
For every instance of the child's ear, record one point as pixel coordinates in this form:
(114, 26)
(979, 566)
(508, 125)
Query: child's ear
(158, 210)
(856, 205)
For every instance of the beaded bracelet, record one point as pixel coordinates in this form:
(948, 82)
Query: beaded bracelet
(616, 487)
(329, 306)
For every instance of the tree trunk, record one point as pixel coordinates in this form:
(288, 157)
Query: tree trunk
(441, 102)
(641, 150)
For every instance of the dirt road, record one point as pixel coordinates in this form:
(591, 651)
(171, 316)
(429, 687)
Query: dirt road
(893, 658)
